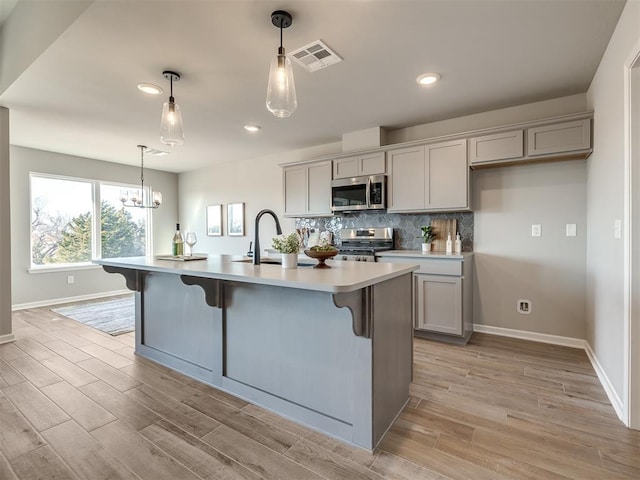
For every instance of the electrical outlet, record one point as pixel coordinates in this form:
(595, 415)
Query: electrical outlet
(71, 279)
(536, 230)
(571, 229)
(524, 307)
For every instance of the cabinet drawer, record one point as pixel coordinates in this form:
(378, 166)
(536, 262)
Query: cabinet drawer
(432, 266)
(560, 137)
(501, 146)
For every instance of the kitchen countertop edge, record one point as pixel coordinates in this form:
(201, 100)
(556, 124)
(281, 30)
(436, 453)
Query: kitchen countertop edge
(342, 277)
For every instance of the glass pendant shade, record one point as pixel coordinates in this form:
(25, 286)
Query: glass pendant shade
(171, 132)
(281, 91)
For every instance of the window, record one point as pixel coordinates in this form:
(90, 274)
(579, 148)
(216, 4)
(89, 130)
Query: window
(75, 220)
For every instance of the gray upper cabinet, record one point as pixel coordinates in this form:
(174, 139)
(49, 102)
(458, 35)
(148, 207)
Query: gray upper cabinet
(499, 146)
(447, 176)
(559, 138)
(432, 177)
(307, 189)
(535, 142)
(356, 166)
(407, 179)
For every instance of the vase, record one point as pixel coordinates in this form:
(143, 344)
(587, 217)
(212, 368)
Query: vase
(426, 247)
(289, 260)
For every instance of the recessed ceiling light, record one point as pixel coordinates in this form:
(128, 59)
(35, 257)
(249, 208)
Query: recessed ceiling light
(428, 78)
(252, 128)
(150, 88)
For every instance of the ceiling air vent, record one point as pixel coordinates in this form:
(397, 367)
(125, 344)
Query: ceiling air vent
(315, 56)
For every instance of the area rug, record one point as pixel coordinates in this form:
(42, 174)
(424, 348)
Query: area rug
(114, 316)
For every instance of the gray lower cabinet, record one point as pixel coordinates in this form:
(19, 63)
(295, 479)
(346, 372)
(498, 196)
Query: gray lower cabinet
(442, 294)
(438, 303)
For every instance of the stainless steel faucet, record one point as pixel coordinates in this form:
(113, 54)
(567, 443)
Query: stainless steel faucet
(256, 241)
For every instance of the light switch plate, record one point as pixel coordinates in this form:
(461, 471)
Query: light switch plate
(617, 229)
(571, 229)
(536, 230)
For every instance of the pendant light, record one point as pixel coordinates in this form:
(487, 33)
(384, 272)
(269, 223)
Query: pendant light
(171, 132)
(281, 92)
(137, 197)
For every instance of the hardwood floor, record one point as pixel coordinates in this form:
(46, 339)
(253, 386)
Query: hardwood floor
(78, 404)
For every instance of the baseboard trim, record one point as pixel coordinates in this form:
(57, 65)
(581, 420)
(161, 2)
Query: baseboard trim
(615, 400)
(58, 301)
(533, 336)
(9, 337)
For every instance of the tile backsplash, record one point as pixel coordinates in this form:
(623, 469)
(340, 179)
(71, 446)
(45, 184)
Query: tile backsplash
(406, 226)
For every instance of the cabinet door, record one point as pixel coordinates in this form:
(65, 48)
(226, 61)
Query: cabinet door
(345, 167)
(407, 183)
(438, 303)
(372, 164)
(447, 176)
(295, 190)
(492, 148)
(319, 188)
(560, 137)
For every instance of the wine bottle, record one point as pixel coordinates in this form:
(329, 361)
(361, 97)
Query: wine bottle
(178, 243)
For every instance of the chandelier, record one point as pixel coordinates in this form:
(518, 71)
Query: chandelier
(136, 198)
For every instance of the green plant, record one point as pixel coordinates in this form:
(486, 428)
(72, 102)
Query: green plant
(428, 235)
(287, 243)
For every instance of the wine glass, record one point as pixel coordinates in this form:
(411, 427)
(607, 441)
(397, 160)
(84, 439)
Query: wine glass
(191, 240)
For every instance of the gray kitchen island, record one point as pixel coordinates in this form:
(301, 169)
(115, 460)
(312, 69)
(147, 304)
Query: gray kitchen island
(329, 348)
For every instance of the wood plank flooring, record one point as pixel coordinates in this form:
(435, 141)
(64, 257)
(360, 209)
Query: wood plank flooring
(78, 404)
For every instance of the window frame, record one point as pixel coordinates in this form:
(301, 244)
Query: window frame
(96, 236)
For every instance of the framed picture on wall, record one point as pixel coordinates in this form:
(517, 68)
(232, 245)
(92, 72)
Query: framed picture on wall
(214, 220)
(235, 219)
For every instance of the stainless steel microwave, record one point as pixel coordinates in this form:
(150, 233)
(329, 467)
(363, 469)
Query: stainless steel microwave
(359, 193)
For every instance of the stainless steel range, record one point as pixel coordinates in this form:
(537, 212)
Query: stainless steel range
(361, 244)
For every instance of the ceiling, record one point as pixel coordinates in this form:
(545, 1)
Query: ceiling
(79, 96)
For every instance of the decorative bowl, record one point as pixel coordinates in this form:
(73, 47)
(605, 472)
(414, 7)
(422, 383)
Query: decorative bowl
(321, 256)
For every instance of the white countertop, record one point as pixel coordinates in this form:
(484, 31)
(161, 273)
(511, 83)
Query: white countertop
(419, 254)
(341, 277)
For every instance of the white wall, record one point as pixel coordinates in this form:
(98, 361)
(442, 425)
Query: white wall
(510, 264)
(28, 288)
(605, 202)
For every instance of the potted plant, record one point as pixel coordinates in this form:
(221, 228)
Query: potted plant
(288, 246)
(427, 235)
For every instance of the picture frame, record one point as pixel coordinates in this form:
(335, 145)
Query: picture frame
(235, 219)
(214, 220)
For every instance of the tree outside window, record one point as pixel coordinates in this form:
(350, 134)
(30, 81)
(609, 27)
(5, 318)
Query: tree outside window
(62, 222)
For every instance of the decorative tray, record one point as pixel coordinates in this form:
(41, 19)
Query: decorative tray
(181, 258)
(321, 256)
